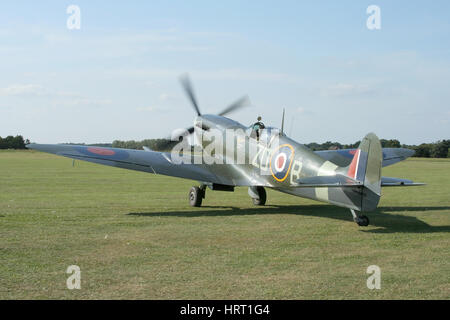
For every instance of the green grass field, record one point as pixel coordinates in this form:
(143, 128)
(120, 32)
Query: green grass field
(134, 236)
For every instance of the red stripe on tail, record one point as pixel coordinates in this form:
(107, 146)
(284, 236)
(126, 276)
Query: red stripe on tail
(353, 169)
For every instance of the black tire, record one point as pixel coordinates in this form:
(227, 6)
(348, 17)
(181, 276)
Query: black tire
(195, 196)
(363, 221)
(262, 197)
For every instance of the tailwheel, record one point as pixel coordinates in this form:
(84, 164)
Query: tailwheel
(196, 195)
(262, 197)
(362, 221)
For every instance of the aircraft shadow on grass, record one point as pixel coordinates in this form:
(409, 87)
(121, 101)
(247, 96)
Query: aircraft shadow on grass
(383, 217)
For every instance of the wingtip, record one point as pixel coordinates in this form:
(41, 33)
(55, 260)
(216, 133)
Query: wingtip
(409, 152)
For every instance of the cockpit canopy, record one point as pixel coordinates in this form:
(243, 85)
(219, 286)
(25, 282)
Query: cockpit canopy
(209, 122)
(265, 135)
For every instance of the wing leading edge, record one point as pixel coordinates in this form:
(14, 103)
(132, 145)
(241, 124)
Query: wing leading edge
(139, 160)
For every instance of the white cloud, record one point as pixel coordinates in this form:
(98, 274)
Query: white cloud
(220, 74)
(164, 96)
(57, 98)
(150, 109)
(33, 90)
(23, 90)
(82, 101)
(131, 42)
(303, 111)
(347, 89)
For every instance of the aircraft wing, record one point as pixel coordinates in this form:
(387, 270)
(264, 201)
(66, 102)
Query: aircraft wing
(343, 157)
(140, 160)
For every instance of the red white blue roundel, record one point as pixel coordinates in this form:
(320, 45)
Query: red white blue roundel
(281, 162)
(103, 153)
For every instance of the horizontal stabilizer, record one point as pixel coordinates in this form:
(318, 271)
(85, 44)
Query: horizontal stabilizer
(396, 182)
(343, 157)
(337, 181)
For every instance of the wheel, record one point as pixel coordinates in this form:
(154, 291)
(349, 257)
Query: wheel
(196, 196)
(262, 197)
(362, 221)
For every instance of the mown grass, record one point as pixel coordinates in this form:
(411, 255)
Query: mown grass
(134, 236)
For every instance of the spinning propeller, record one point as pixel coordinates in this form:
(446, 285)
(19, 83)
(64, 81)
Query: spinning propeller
(187, 86)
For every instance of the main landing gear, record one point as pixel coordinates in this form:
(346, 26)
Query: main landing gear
(196, 195)
(258, 195)
(362, 221)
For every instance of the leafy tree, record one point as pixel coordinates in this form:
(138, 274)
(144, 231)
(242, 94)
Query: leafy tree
(11, 142)
(392, 143)
(352, 145)
(440, 149)
(423, 150)
(18, 142)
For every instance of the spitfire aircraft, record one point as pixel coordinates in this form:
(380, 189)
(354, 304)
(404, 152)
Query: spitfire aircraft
(349, 178)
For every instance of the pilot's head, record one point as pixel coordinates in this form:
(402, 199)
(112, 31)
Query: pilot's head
(259, 118)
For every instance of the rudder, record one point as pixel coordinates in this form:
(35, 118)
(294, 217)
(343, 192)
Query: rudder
(366, 168)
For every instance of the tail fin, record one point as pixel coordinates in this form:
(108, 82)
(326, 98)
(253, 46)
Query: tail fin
(366, 168)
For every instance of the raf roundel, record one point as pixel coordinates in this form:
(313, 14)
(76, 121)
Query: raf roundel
(281, 161)
(103, 153)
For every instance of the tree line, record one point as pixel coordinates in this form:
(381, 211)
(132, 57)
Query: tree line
(438, 149)
(11, 142)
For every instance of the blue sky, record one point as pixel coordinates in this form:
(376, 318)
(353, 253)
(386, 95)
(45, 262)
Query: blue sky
(117, 77)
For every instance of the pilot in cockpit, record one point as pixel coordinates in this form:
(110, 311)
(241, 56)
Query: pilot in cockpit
(257, 127)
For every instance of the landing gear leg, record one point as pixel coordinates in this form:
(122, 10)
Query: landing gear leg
(196, 195)
(258, 195)
(362, 221)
